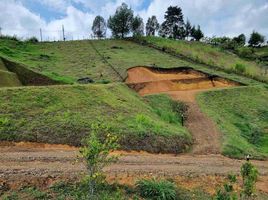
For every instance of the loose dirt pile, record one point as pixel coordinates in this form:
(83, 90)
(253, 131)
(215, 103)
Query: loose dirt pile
(151, 81)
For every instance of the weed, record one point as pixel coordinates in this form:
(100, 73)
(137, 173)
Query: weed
(157, 190)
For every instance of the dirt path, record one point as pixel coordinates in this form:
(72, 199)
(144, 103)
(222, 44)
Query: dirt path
(183, 86)
(26, 164)
(204, 131)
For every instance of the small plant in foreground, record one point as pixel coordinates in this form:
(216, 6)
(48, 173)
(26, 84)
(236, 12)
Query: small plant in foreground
(157, 190)
(249, 175)
(227, 192)
(95, 150)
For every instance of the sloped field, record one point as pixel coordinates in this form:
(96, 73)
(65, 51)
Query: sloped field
(64, 114)
(241, 114)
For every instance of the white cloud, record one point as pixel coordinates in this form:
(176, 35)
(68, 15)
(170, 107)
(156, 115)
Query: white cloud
(216, 17)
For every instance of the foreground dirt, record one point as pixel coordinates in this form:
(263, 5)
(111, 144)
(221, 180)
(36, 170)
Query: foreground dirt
(26, 164)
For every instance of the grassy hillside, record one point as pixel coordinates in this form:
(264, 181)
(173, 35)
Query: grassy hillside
(242, 117)
(64, 114)
(68, 61)
(212, 56)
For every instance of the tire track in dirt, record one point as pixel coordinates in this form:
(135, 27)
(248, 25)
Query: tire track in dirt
(34, 165)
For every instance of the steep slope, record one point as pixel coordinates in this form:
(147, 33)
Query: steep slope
(208, 55)
(241, 114)
(7, 79)
(64, 114)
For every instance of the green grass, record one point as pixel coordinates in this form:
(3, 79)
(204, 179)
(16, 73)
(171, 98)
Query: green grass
(79, 191)
(154, 189)
(64, 114)
(169, 110)
(206, 54)
(8, 79)
(71, 60)
(241, 115)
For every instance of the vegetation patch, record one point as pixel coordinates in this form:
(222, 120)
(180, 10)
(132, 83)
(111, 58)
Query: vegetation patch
(241, 115)
(206, 54)
(64, 115)
(73, 60)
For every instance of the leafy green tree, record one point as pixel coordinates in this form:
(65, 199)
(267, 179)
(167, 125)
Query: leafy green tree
(137, 26)
(197, 34)
(95, 151)
(240, 40)
(188, 29)
(256, 39)
(173, 26)
(99, 27)
(120, 23)
(152, 26)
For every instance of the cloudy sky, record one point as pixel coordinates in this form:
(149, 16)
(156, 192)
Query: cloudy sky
(216, 17)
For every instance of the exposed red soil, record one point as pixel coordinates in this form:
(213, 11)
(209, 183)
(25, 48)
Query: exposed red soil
(24, 164)
(183, 85)
(151, 81)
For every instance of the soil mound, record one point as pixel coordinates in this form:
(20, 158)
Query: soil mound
(147, 80)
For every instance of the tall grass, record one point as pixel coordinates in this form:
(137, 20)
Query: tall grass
(206, 54)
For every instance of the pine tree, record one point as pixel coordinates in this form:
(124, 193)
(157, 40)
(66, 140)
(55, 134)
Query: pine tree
(137, 26)
(256, 39)
(197, 34)
(99, 27)
(173, 26)
(152, 26)
(188, 29)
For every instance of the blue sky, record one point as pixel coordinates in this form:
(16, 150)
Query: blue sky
(216, 17)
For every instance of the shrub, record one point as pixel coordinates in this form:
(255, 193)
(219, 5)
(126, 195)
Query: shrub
(246, 52)
(240, 68)
(7, 37)
(227, 192)
(96, 153)
(249, 175)
(157, 190)
(32, 40)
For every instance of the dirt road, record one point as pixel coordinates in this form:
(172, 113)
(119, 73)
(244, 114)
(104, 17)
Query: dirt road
(27, 163)
(42, 164)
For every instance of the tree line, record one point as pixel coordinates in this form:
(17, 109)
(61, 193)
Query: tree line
(123, 23)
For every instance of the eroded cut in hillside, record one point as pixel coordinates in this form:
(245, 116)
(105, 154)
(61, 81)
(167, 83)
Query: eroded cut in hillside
(183, 84)
(147, 80)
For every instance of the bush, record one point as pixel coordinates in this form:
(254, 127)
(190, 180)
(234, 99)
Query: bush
(157, 190)
(32, 40)
(240, 68)
(249, 175)
(95, 151)
(227, 191)
(8, 37)
(246, 52)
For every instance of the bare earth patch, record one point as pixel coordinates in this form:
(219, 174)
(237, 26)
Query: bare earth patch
(23, 165)
(183, 84)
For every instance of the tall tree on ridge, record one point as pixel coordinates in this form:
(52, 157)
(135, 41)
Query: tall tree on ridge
(99, 27)
(120, 23)
(137, 26)
(173, 26)
(188, 29)
(152, 26)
